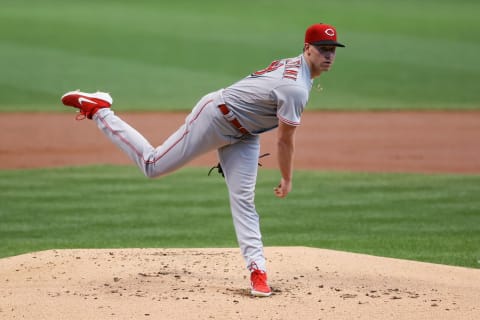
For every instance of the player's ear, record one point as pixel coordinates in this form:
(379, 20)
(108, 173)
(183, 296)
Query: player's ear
(305, 46)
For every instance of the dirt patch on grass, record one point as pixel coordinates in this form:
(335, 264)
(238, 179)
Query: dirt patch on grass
(354, 141)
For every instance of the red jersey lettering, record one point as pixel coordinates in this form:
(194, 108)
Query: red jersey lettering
(292, 67)
(272, 67)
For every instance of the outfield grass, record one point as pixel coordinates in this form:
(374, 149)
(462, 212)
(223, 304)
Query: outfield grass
(431, 218)
(159, 55)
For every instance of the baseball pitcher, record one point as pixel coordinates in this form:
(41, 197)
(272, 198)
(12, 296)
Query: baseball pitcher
(230, 121)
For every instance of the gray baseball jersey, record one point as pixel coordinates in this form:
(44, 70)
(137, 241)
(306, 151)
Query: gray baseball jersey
(259, 101)
(278, 92)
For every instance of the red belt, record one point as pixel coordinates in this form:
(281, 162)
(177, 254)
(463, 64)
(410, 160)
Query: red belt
(232, 119)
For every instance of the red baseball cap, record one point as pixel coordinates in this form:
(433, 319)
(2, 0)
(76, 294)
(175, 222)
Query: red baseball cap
(322, 34)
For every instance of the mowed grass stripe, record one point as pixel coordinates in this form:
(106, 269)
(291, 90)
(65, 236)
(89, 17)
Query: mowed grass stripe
(102, 72)
(433, 218)
(164, 56)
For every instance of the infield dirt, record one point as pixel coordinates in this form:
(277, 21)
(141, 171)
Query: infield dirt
(354, 141)
(213, 283)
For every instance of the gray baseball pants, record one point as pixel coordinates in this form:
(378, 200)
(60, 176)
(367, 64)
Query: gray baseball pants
(205, 129)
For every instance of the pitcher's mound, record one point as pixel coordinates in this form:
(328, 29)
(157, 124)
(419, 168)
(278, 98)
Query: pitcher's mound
(214, 284)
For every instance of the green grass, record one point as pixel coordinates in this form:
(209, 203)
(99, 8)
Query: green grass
(164, 55)
(433, 218)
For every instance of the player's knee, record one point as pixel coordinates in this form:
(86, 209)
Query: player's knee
(149, 173)
(243, 191)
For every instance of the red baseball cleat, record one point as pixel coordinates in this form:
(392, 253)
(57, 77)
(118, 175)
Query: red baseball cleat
(88, 103)
(259, 284)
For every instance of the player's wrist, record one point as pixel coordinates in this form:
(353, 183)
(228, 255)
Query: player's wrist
(287, 178)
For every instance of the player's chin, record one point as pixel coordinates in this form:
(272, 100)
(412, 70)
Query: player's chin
(326, 66)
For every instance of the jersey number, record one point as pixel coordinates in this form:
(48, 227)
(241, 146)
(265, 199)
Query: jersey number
(272, 67)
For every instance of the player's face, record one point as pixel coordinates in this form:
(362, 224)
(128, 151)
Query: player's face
(327, 54)
(321, 57)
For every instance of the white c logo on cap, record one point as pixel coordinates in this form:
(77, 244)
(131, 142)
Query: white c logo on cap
(330, 32)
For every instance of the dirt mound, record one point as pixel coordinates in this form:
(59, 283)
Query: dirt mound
(213, 284)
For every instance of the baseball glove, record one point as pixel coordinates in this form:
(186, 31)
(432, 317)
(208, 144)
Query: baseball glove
(220, 169)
